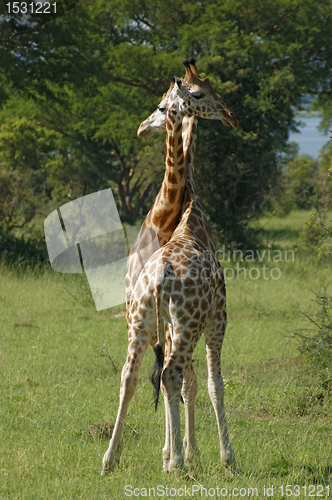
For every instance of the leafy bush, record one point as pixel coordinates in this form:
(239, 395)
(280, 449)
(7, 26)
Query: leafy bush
(304, 183)
(318, 230)
(22, 251)
(315, 341)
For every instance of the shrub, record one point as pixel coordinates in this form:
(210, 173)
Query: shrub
(315, 341)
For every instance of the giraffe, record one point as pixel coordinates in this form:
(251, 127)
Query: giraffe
(163, 216)
(163, 227)
(156, 296)
(157, 123)
(189, 387)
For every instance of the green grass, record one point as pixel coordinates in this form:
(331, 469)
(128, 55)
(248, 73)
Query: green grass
(284, 232)
(56, 381)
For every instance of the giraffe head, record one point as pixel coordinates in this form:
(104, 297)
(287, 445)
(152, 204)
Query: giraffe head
(198, 99)
(157, 120)
(203, 101)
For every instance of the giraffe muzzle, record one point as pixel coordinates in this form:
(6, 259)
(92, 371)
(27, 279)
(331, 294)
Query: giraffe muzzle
(230, 120)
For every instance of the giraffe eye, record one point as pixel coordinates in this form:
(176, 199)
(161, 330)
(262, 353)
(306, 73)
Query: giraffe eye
(198, 96)
(162, 109)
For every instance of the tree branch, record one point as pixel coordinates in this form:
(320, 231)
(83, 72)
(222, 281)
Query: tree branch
(141, 84)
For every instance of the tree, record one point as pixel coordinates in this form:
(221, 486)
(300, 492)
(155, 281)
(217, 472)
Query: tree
(95, 73)
(24, 146)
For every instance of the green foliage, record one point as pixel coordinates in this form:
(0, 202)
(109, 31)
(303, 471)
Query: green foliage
(315, 341)
(326, 157)
(319, 232)
(21, 252)
(318, 229)
(24, 147)
(323, 104)
(303, 183)
(95, 73)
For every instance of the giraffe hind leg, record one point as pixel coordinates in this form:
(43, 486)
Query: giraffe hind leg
(177, 377)
(214, 335)
(188, 392)
(172, 382)
(167, 445)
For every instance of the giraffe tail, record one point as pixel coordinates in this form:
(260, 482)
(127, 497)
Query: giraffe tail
(158, 349)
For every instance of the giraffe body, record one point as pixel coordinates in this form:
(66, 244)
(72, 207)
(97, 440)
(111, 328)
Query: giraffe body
(198, 225)
(182, 285)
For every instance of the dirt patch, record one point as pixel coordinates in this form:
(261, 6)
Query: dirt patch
(102, 430)
(119, 315)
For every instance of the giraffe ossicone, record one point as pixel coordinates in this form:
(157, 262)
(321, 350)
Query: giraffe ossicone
(187, 302)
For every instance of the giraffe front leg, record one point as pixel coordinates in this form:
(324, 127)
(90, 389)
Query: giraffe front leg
(128, 385)
(189, 391)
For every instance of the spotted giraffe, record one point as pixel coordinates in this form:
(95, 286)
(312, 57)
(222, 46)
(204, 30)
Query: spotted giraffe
(157, 123)
(162, 291)
(163, 216)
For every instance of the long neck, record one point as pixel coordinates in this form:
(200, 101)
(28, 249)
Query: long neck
(193, 222)
(164, 214)
(189, 136)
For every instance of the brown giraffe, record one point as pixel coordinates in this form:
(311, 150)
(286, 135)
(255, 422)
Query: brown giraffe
(157, 123)
(162, 289)
(163, 216)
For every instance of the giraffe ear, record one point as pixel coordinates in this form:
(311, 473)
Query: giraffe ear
(178, 81)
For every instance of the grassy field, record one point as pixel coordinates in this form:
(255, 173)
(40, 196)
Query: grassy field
(57, 380)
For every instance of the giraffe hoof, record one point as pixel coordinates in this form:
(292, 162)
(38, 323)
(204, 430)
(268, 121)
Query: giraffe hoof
(228, 459)
(192, 459)
(194, 464)
(109, 467)
(177, 466)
